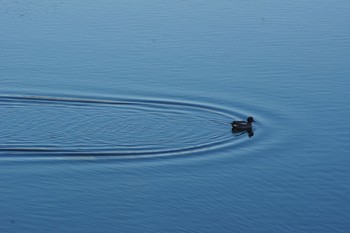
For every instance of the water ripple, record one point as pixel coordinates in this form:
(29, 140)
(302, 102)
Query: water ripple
(62, 126)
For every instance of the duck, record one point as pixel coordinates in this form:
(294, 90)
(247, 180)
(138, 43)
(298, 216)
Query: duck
(243, 125)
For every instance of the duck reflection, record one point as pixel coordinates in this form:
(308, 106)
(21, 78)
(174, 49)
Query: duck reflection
(240, 132)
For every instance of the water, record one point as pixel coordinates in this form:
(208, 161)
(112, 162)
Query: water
(115, 116)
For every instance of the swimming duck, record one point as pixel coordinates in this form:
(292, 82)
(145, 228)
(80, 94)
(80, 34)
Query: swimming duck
(243, 125)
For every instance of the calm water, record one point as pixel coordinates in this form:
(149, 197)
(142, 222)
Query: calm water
(114, 116)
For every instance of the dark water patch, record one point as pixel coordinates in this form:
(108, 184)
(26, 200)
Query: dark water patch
(64, 126)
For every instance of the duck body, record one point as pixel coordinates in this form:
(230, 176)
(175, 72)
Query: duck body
(243, 125)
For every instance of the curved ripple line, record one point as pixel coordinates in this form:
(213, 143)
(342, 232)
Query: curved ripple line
(50, 99)
(35, 151)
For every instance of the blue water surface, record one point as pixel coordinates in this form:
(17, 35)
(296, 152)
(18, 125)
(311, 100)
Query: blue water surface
(114, 116)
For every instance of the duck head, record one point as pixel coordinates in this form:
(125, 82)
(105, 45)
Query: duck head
(250, 119)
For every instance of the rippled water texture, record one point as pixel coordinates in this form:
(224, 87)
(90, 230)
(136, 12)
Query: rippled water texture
(114, 116)
(43, 125)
